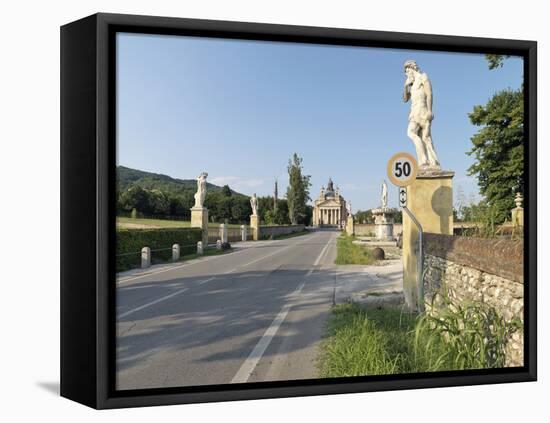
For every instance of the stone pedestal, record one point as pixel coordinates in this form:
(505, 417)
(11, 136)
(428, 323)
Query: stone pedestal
(430, 199)
(255, 226)
(384, 220)
(199, 219)
(517, 217)
(350, 226)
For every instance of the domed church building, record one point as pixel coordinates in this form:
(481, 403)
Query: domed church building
(330, 207)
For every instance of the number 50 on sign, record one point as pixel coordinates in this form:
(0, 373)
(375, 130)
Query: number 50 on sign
(402, 168)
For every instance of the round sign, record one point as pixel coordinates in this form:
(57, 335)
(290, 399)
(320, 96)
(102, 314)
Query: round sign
(402, 168)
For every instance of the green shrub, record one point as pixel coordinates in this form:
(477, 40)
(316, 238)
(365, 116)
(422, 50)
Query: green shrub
(129, 243)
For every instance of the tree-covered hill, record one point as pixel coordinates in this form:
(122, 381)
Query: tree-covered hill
(127, 178)
(150, 194)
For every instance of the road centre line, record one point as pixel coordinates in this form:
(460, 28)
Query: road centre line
(173, 294)
(181, 291)
(248, 366)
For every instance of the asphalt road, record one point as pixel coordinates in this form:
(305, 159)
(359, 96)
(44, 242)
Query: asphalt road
(256, 314)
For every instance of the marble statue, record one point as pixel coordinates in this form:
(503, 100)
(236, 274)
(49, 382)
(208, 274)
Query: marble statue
(418, 89)
(200, 195)
(348, 208)
(254, 205)
(384, 197)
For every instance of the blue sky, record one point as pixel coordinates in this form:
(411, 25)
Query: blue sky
(240, 109)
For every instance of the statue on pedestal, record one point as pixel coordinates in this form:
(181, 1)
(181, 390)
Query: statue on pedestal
(200, 195)
(418, 89)
(384, 196)
(254, 205)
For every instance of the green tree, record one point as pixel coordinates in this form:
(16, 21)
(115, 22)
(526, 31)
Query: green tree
(364, 216)
(159, 203)
(498, 150)
(226, 191)
(135, 198)
(297, 193)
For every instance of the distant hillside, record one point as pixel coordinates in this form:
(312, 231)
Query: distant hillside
(128, 177)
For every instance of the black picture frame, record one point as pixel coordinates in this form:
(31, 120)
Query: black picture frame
(87, 209)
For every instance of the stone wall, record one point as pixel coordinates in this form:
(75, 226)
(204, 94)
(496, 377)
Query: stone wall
(488, 270)
(267, 231)
(369, 229)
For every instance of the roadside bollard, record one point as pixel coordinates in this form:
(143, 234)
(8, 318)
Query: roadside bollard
(145, 257)
(200, 251)
(175, 252)
(223, 233)
(218, 244)
(244, 235)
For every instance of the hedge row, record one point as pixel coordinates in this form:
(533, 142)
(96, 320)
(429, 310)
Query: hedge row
(130, 242)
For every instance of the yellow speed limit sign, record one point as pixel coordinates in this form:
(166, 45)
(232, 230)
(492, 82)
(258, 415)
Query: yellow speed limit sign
(402, 168)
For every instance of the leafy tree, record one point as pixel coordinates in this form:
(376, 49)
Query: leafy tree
(240, 209)
(159, 203)
(226, 191)
(364, 216)
(495, 60)
(498, 150)
(135, 198)
(297, 193)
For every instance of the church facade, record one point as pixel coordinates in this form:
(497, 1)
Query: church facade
(330, 208)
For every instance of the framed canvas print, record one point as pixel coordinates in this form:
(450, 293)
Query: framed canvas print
(255, 211)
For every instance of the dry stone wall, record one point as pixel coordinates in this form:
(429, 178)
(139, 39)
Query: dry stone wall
(488, 270)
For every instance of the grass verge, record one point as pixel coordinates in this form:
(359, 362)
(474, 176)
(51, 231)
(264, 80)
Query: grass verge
(385, 340)
(349, 253)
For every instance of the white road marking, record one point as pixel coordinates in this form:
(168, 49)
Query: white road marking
(127, 313)
(207, 280)
(323, 251)
(173, 294)
(248, 366)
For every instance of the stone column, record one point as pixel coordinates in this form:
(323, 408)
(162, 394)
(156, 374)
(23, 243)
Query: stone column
(350, 225)
(517, 212)
(199, 219)
(244, 234)
(255, 226)
(430, 199)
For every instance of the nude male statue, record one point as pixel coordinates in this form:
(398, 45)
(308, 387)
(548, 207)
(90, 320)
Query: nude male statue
(254, 204)
(384, 195)
(200, 195)
(418, 89)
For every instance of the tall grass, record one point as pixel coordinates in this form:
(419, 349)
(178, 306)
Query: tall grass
(361, 342)
(453, 336)
(349, 253)
(458, 335)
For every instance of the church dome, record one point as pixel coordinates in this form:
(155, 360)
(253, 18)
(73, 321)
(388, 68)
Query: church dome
(329, 192)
